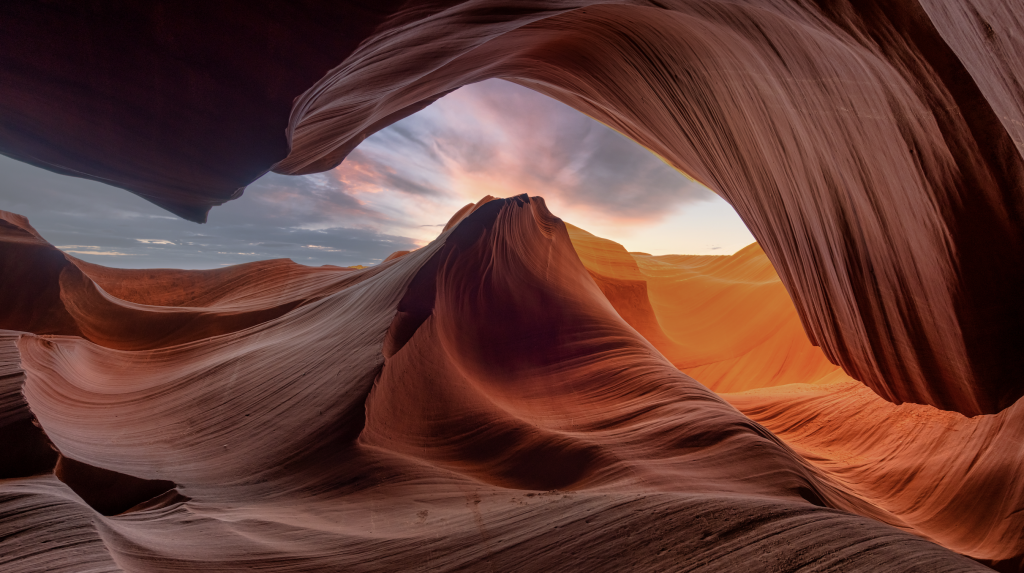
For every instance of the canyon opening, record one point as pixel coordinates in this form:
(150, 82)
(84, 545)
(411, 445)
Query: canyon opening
(407, 286)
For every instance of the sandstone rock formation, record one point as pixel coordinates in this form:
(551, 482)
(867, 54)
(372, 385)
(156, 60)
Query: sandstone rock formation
(729, 325)
(873, 148)
(517, 395)
(475, 404)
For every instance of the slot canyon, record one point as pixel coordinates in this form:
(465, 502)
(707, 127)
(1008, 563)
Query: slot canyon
(518, 393)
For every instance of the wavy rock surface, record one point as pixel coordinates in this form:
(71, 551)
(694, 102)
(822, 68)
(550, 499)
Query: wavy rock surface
(476, 404)
(48, 292)
(954, 478)
(873, 148)
(726, 321)
(951, 478)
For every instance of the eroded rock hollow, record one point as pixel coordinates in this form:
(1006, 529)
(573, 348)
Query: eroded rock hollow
(487, 401)
(873, 148)
(517, 395)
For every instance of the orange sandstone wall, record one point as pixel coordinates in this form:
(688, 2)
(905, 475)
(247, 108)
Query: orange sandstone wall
(873, 148)
(725, 320)
(951, 478)
(476, 404)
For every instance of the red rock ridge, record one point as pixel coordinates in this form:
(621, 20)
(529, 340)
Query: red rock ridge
(873, 148)
(950, 478)
(424, 415)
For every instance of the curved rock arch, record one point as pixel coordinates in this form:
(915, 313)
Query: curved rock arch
(873, 148)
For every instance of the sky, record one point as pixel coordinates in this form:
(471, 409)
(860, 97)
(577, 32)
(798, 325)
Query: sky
(396, 191)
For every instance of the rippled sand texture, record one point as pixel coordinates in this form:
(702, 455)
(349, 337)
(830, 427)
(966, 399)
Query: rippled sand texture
(874, 148)
(477, 404)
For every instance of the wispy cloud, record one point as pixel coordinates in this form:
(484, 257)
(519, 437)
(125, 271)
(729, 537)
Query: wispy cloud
(501, 139)
(91, 250)
(396, 191)
(76, 215)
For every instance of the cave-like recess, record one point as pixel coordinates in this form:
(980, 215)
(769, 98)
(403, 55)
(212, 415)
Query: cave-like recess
(873, 148)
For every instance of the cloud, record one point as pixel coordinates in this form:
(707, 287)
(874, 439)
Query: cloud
(502, 139)
(366, 173)
(394, 192)
(101, 224)
(309, 201)
(90, 250)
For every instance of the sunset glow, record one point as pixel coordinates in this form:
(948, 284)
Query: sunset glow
(397, 190)
(497, 138)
